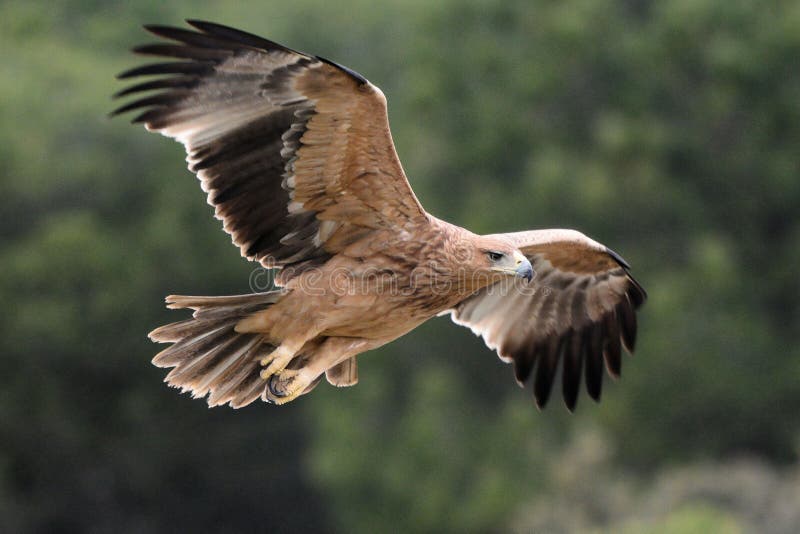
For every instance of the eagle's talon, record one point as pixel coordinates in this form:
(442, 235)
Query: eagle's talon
(284, 387)
(271, 385)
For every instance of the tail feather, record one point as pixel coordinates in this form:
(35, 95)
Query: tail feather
(243, 376)
(208, 356)
(214, 376)
(191, 371)
(188, 343)
(251, 388)
(182, 330)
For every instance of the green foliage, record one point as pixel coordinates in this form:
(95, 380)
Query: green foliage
(693, 519)
(667, 130)
(587, 492)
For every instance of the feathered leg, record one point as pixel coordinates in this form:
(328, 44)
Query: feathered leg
(343, 374)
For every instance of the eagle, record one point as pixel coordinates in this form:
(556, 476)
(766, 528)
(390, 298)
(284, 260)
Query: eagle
(295, 154)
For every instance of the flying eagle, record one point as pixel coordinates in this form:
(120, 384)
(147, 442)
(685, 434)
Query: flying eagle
(296, 156)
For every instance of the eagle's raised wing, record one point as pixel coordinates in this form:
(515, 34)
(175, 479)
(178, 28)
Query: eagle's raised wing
(293, 150)
(579, 309)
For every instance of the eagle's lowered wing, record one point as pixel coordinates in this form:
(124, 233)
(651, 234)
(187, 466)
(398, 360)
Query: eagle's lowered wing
(579, 309)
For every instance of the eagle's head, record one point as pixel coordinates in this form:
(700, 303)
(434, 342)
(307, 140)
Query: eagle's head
(494, 259)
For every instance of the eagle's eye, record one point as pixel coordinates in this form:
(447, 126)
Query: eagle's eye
(494, 256)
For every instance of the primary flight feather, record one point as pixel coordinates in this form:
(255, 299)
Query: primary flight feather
(296, 156)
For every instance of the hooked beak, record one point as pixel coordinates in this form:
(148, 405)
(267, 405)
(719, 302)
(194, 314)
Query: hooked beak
(524, 269)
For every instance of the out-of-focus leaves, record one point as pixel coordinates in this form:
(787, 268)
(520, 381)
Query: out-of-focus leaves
(588, 492)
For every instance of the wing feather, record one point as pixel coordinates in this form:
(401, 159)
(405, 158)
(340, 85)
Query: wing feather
(293, 150)
(578, 312)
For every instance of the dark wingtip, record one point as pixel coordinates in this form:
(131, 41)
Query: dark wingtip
(636, 292)
(619, 259)
(153, 49)
(523, 364)
(627, 323)
(119, 111)
(595, 392)
(353, 74)
(541, 404)
(546, 370)
(170, 32)
(155, 28)
(205, 24)
(639, 298)
(572, 368)
(185, 82)
(248, 39)
(570, 398)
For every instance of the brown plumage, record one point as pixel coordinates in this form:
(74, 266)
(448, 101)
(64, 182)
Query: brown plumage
(296, 156)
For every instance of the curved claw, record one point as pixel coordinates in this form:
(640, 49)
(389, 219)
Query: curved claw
(272, 387)
(285, 387)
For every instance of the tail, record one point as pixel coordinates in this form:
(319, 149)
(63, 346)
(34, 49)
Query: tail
(208, 356)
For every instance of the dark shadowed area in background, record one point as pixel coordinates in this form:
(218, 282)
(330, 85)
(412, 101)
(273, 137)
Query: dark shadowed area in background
(667, 130)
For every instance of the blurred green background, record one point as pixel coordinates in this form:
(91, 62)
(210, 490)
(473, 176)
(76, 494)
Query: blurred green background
(668, 130)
